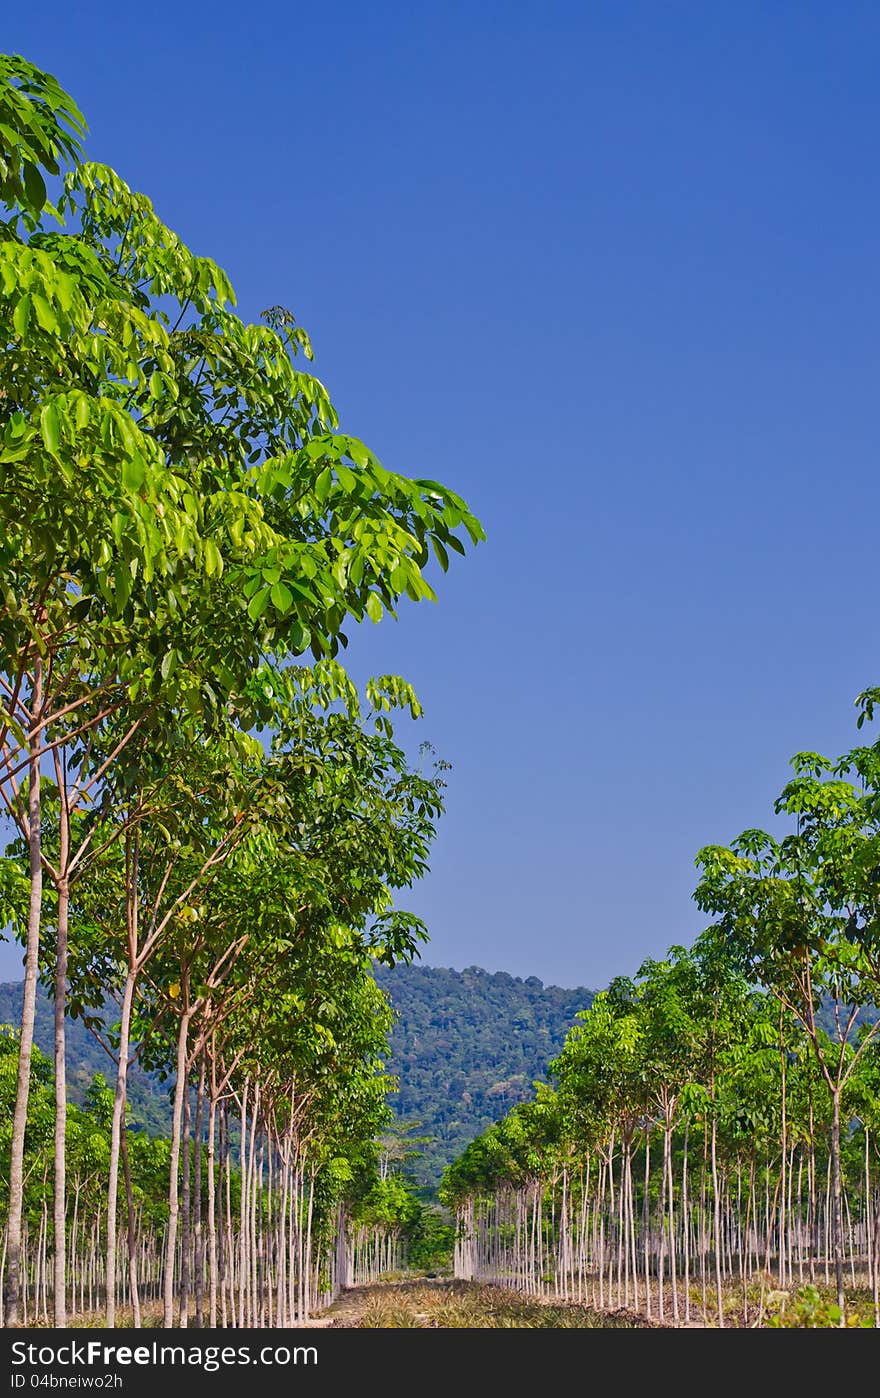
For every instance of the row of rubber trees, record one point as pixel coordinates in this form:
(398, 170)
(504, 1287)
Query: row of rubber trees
(693, 1197)
(209, 833)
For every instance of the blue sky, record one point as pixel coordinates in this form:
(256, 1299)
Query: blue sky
(609, 270)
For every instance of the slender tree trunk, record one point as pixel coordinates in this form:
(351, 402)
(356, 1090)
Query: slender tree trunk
(874, 1221)
(717, 1217)
(783, 1267)
(646, 1221)
(183, 1311)
(308, 1256)
(244, 1255)
(28, 1012)
(197, 1200)
(685, 1213)
(132, 1237)
(812, 1205)
(837, 1200)
(117, 1127)
(661, 1260)
(60, 1146)
(73, 1240)
(212, 1214)
(673, 1259)
(228, 1251)
(174, 1184)
(40, 1261)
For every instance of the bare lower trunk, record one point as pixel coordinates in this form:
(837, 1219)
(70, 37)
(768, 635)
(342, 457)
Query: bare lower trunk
(685, 1214)
(717, 1221)
(185, 1216)
(132, 1237)
(197, 1201)
(784, 1270)
(28, 1011)
(673, 1260)
(212, 1215)
(60, 1149)
(836, 1200)
(117, 1127)
(244, 1215)
(646, 1221)
(173, 1189)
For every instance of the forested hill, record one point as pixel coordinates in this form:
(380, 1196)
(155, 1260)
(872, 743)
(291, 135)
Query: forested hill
(466, 1046)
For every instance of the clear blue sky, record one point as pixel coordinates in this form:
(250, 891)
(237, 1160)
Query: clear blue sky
(611, 271)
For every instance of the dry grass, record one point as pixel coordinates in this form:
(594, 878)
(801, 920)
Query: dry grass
(151, 1318)
(453, 1305)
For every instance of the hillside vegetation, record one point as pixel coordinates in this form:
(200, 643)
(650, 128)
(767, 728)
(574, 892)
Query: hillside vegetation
(466, 1047)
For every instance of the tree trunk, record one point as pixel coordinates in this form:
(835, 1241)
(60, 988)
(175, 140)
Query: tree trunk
(212, 1214)
(685, 1213)
(784, 1270)
(197, 1200)
(717, 1218)
(646, 1220)
(183, 1311)
(60, 1148)
(28, 1011)
(132, 1237)
(836, 1200)
(117, 1126)
(173, 1185)
(244, 1213)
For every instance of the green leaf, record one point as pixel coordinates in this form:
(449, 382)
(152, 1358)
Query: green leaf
(21, 315)
(258, 604)
(213, 559)
(359, 454)
(347, 479)
(35, 187)
(282, 598)
(122, 581)
(45, 314)
(50, 426)
(133, 471)
(374, 608)
(440, 551)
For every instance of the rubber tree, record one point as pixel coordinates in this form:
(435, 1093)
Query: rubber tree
(70, 463)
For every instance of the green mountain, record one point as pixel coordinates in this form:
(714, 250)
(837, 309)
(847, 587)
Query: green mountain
(466, 1046)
